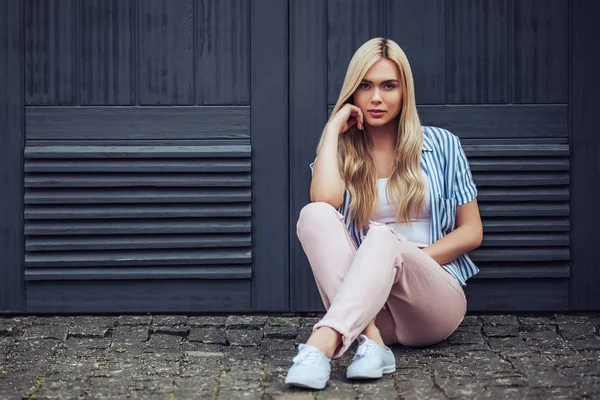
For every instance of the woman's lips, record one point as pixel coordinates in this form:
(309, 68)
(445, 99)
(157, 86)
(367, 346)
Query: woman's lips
(376, 114)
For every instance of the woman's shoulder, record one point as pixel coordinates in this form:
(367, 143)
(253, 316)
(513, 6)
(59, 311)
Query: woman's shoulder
(439, 137)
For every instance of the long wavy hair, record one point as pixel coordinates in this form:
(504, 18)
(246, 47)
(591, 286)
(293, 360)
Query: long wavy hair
(406, 186)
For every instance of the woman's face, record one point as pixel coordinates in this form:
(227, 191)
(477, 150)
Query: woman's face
(379, 95)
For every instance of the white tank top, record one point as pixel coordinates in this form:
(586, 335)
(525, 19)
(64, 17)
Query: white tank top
(418, 232)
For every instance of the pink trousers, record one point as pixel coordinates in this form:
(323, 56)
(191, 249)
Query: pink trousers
(414, 301)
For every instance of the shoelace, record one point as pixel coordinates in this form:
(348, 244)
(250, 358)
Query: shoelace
(364, 349)
(306, 357)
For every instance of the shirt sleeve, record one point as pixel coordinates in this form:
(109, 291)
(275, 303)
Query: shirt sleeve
(464, 187)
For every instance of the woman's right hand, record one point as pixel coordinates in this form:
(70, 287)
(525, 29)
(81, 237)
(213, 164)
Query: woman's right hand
(346, 117)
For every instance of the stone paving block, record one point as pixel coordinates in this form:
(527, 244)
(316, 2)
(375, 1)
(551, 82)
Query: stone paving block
(303, 335)
(53, 320)
(131, 333)
(57, 332)
(133, 320)
(208, 334)
(500, 330)
(538, 328)
(536, 320)
(98, 387)
(244, 337)
(7, 328)
(245, 322)
(470, 328)
(93, 320)
(6, 345)
(61, 389)
(236, 353)
(571, 319)
(164, 341)
(499, 320)
(197, 346)
(40, 349)
(471, 320)
(278, 348)
(462, 387)
(282, 328)
(126, 349)
(169, 320)
(382, 389)
(576, 331)
(464, 337)
(200, 321)
(89, 331)
(87, 343)
(502, 343)
(588, 343)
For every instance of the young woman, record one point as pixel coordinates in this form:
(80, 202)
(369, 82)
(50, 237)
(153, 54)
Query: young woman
(393, 214)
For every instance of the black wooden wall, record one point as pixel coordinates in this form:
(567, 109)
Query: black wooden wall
(154, 153)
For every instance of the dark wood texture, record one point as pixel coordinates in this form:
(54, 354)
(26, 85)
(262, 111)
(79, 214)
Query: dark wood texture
(476, 51)
(166, 52)
(270, 156)
(350, 23)
(541, 51)
(108, 76)
(585, 154)
(506, 295)
(12, 289)
(222, 50)
(135, 123)
(419, 28)
(76, 296)
(51, 66)
(308, 115)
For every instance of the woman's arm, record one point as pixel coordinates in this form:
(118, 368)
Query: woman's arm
(327, 185)
(465, 237)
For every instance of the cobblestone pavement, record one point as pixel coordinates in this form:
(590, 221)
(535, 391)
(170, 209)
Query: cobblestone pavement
(247, 356)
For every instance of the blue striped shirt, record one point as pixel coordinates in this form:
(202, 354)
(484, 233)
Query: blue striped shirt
(450, 185)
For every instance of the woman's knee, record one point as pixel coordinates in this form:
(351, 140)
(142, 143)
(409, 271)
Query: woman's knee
(316, 212)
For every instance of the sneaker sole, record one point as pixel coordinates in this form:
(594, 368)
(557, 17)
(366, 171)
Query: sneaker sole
(306, 384)
(376, 374)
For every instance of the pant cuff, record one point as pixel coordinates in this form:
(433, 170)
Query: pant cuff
(346, 339)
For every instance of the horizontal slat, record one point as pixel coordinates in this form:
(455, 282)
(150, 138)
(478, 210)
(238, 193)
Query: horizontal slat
(523, 210)
(520, 179)
(524, 164)
(137, 211)
(133, 258)
(137, 227)
(516, 150)
(525, 225)
(53, 243)
(137, 195)
(136, 165)
(525, 240)
(523, 272)
(499, 121)
(173, 151)
(147, 273)
(80, 123)
(519, 254)
(127, 180)
(509, 194)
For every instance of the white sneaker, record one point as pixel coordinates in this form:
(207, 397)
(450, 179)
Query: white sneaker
(371, 360)
(311, 368)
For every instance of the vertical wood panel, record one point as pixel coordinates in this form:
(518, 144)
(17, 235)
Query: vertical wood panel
(107, 52)
(270, 156)
(418, 27)
(585, 156)
(12, 291)
(166, 52)
(50, 59)
(350, 23)
(476, 51)
(308, 115)
(541, 51)
(222, 44)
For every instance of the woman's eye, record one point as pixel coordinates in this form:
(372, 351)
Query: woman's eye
(364, 86)
(390, 86)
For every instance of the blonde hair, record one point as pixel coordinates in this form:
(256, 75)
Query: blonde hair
(406, 186)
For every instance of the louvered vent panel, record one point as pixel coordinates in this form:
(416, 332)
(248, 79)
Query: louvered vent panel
(524, 204)
(137, 212)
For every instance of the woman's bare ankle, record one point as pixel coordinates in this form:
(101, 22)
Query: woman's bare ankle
(325, 339)
(372, 332)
